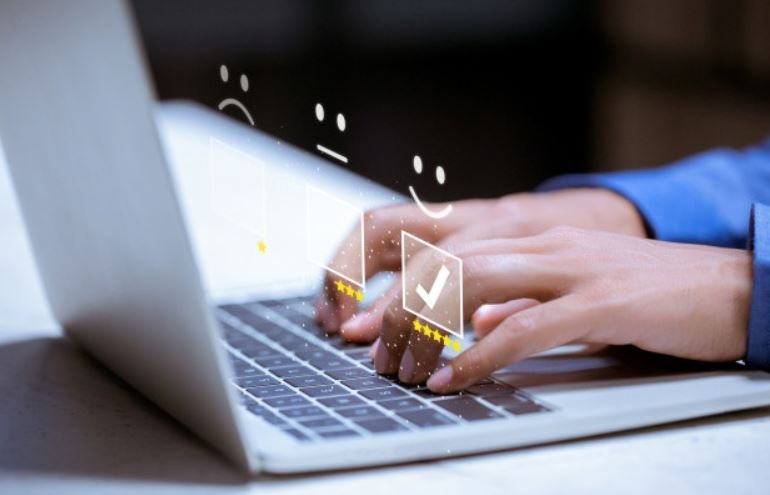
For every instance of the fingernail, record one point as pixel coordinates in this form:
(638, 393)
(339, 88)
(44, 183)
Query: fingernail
(381, 358)
(406, 370)
(352, 323)
(441, 379)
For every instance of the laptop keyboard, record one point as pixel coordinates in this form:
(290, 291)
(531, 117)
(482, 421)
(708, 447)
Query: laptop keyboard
(314, 386)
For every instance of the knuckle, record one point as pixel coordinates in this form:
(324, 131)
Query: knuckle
(560, 235)
(476, 267)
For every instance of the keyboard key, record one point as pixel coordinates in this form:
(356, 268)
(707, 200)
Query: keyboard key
(342, 402)
(367, 383)
(246, 372)
(339, 343)
(491, 389)
(292, 371)
(380, 425)
(258, 352)
(309, 381)
(314, 354)
(467, 408)
(263, 413)
(290, 341)
(325, 391)
(304, 412)
(349, 373)
(428, 395)
(236, 310)
(337, 433)
(331, 363)
(360, 412)
(275, 391)
(276, 362)
(257, 409)
(425, 418)
(287, 401)
(296, 434)
(509, 400)
(358, 353)
(321, 423)
(258, 381)
(529, 408)
(402, 404)
(379, 394)
(367, 363)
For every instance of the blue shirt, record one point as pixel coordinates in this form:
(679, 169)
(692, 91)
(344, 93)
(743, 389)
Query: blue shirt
(720, 198)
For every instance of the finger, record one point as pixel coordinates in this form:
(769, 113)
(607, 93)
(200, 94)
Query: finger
(394, 337)
(382, 248)
(420, 357)
(365, 326)
(527, 332)
(488, 316)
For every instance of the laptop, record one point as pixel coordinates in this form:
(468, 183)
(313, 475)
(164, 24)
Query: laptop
(255, 377)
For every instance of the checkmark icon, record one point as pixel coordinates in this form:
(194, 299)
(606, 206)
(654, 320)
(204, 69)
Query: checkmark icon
(431, 297)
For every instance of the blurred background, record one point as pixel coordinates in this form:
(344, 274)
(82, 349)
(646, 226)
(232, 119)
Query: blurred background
(502, 93)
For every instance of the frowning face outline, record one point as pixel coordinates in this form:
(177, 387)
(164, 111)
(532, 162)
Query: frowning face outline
(224, 75)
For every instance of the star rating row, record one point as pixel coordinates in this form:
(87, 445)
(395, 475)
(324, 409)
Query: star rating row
(436, 335)
(349, 290)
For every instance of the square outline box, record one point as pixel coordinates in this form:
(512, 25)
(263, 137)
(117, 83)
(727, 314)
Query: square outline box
(323, 264)
(403, 283)
(262, 232)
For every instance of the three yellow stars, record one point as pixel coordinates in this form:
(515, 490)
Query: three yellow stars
(436, 335)
(349, 290)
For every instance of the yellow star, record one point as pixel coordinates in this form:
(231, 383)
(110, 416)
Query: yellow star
(456, 346)
(447, 340)
(437, 336)
(359, 296)
(416, 324)
(340, 285)
(262, 246)
(349, 289)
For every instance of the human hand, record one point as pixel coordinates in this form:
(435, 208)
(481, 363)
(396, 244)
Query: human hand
(517, 215)
(571, 285)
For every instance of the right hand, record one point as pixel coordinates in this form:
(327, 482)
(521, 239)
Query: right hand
(517, 215)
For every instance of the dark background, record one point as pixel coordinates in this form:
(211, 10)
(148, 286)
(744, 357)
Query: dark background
(501, 93)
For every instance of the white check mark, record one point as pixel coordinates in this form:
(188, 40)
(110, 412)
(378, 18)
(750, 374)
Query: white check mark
(431, 297)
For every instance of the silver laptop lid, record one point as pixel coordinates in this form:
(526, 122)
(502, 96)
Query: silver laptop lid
(77, 127)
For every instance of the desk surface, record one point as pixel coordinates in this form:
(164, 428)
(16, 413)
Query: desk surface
(69, 426)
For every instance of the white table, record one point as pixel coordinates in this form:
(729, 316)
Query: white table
(69, 426)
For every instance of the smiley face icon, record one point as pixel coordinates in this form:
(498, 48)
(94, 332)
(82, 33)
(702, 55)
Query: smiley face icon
(224, 75)
(440, 178)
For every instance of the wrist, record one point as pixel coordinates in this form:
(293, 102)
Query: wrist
(594, 209)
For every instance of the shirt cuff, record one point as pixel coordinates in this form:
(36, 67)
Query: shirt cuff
(758, 345)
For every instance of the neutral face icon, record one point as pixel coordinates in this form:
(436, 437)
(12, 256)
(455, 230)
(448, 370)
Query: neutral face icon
(440, 178)
(224, 74)
(320, 115)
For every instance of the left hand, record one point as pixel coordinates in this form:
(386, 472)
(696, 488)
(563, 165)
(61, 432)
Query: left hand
(571, 285)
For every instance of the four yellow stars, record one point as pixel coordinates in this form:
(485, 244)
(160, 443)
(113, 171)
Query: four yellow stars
(436, 335)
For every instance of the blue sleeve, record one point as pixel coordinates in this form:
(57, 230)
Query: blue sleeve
(758, 346)
(703, 199)
(712, 198)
